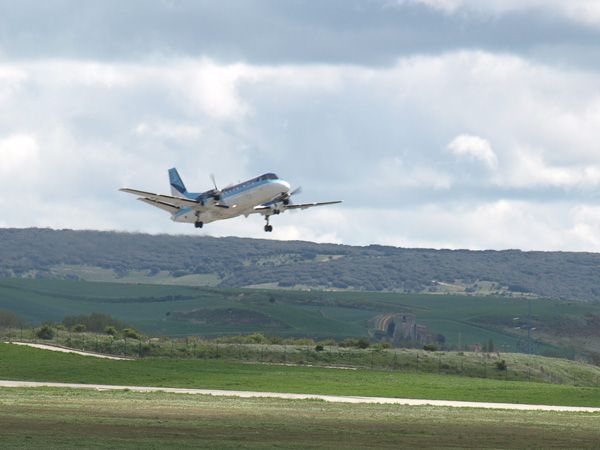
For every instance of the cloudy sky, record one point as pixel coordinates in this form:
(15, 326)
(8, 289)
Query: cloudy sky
(440, 123)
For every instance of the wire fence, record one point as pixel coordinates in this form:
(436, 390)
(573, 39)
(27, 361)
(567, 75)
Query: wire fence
(505, 366)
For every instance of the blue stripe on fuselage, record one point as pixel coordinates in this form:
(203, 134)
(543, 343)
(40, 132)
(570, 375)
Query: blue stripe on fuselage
(244, 187)
(230, 191)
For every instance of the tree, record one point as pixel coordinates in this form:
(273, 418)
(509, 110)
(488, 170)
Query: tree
(79, 328)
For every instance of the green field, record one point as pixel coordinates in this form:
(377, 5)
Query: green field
(500, 366)
(178, 311)
(64, 418)
(19, 363)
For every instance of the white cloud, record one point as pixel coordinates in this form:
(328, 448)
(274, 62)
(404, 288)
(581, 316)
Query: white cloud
(168, 130)
(528, 169)
(19, 153)
(373, 137)
(473, 147)
(584, 11)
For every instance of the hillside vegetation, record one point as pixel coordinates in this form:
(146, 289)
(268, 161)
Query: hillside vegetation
(454, 322)
(236, 262)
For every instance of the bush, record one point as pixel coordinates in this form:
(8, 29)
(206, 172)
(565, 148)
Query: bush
(383, 345)
(257, 338)
(95, 322)
(110, 330)
(363, 343)
(79, 328)
(430, 347)
(45, 332)
(131, 333)
(501, 365)
(319, 348)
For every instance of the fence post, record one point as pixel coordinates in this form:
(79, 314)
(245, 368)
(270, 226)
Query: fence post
(417, 362)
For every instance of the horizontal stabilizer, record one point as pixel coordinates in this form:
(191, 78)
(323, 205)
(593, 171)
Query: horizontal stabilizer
(176, 201)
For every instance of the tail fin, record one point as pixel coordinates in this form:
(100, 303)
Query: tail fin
(177, 187)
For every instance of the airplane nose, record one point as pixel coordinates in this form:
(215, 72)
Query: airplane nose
(285, 185)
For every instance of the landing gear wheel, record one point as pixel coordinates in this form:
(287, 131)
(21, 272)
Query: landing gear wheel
(268, 227)
(198, 224)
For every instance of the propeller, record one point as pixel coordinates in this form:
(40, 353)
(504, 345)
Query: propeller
(216, 193)
(287, 199)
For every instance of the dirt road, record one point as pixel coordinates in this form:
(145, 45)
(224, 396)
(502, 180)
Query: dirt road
(327, 398)
(56, 348)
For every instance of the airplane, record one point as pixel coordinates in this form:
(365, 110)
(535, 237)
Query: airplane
(267, 195)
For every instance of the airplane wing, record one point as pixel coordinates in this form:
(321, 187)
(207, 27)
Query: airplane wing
(310, 205)
(162, 205)
(265, 209)
(155, 199)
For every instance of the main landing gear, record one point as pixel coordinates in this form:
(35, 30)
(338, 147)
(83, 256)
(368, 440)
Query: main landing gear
(268, 227)
(198, 224)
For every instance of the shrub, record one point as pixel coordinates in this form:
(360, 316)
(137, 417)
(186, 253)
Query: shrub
(110, 330)
(131, 333)
(319, 348)
(501, 365)
(79, 328)
(430, 347)
(257, 338)
(363, 343)
(45, 332)
(383, 345)
(95, 322)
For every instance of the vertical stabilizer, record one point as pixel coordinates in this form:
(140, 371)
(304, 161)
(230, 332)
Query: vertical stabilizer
(177, 187)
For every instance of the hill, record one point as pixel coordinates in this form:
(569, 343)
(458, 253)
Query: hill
(237, 262)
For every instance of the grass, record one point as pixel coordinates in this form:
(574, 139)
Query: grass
(63, 418)
(19, 363)
(461, 319)
(518, 366)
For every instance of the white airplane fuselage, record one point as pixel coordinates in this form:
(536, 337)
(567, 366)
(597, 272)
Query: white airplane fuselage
(240, 199)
